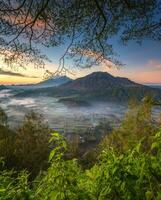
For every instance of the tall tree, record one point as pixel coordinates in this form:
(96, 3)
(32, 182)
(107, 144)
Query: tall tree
(138, 124)
(3, 117)
(7, 137)
(32, 144)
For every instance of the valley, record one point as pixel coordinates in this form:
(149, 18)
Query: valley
(75, 105)
(57, 113)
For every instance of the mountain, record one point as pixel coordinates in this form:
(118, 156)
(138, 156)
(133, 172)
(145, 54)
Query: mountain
(99, 80)
(98, 86)
(55, 81)
(52, 82)
(105, 87)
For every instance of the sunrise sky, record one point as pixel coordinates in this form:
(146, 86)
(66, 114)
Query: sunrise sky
(142, 64)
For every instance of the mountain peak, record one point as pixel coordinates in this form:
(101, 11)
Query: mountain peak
(54, 81)
(100, 73)
(98, 80)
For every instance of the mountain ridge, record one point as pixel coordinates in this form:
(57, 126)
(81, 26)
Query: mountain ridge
(99, 79)
(98, 86)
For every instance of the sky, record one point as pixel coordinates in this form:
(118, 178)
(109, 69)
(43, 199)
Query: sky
(142, 65)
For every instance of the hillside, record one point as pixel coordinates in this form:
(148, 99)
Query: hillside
(104, 87)
(98, 86)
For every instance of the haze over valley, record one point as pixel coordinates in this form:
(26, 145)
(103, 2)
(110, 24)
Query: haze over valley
(71, 104)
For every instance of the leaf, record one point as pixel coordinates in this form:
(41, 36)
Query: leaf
(52, 154)
(148, 195)
(2, 190)
(155, 145)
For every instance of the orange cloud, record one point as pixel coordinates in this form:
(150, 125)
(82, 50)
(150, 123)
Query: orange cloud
(24, 19)
(24, 76)
(154, 64)
(9, 80)
(148, 77)
(141, 75)
(98, 56)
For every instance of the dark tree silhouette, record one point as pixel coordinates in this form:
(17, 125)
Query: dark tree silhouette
(87, 26)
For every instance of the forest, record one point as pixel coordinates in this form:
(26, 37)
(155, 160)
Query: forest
(39, 163)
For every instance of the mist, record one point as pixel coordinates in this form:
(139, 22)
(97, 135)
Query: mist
(59, 115)
(55, 112)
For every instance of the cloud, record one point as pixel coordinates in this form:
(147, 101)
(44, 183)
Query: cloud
(97, 56)
(9, 73)
(148, 77)
(154, 64)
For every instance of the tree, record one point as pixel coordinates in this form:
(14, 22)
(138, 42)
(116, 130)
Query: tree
(7, 137)
(87, 26)
(32, 144)
(138, 124)
(3, 117)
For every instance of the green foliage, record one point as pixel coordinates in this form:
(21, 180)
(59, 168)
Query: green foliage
(3, 117)
(132, 173)
(137, 125)
(28, 147)
(128, 176)
(13, 186)
(31, 144)
(62, 178)
(7, 137)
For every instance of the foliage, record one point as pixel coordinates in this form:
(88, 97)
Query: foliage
(31, 144)
(137, 125)
(132, 175)
(27, 147)
(14, 186)
(7, 137)
(3, 117)
(62, 176)
(132, 172)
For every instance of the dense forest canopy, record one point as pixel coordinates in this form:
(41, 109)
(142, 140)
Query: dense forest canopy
(85, 27)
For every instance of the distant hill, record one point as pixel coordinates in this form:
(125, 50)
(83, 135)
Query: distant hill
(55, 81)
(51, 82)
(98, 86)
(154, 85)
